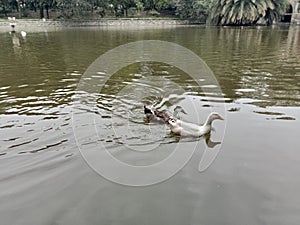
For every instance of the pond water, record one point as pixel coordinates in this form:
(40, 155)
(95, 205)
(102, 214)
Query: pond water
(48, 121)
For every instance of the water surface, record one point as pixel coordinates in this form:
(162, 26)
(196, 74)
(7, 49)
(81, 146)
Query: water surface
(45, 180)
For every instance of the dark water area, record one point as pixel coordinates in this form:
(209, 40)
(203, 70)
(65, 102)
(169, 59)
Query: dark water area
(45, 178)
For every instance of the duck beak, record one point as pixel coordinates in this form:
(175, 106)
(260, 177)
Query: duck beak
(221, 118)
(184, 112)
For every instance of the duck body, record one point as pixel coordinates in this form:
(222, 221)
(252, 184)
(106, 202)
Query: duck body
(157, 116)
(187, 125)
(182, 128)
(191, 130)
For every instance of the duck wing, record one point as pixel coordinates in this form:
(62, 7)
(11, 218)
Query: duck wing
(188, 126)
(155, 115)
(189, 129)
(162, 114)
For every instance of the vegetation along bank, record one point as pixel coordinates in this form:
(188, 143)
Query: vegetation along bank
(213, 12)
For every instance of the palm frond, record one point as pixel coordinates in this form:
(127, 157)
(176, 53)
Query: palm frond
(245, 12)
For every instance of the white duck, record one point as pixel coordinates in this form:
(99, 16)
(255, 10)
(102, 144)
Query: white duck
(23, 34)
(182, 128)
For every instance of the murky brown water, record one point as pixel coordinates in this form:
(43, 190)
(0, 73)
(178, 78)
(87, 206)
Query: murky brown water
(254, 179)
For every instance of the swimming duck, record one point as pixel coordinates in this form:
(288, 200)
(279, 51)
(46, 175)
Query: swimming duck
(182, 128)
(23, 34)
(156, 116)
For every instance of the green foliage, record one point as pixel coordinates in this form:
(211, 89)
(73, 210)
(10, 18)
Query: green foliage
(218, 12)
(100, 11)
(183, 9)
(4, 6)
(193, 9)
(73, 8)
(245, 12)
(200, 9)
(139, 5)
(153, 12)
(158, 4)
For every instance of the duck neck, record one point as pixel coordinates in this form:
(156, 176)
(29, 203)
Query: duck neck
(208, 121)
(175, 114)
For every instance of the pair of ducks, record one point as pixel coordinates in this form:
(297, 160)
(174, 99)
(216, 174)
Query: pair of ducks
(180, 127)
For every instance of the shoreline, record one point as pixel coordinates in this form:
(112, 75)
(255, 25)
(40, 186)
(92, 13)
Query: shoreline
(37, 25)
(133, 23)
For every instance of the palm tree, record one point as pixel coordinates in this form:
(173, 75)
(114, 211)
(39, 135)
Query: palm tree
(245, 12)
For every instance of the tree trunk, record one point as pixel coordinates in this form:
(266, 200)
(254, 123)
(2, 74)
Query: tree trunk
(4, 9)
(34, 5)
(47, 11)
(19, 10)
(42, 12)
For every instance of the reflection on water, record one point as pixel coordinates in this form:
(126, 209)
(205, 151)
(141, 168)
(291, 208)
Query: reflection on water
(42, 172)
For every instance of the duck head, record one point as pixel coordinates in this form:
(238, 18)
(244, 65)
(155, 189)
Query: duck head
(179, 109)
(213, 116)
